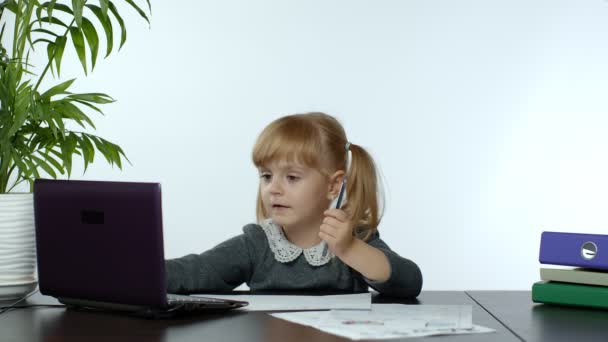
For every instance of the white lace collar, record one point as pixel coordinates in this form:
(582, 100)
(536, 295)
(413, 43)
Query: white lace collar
(285, 251)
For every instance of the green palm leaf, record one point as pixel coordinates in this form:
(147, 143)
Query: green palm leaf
(68, 148)
(60, 47)
(123, 29)
(106, 23)
(88, 151)
(39, 162)
(91, 35)
(78, 41)
(51, 33)
(50, 6)
(43, 40)
(58, 89)
(104, 7)
(48, 20)
(56, 164)
(77, 6)
(92, 97)
(139, 10)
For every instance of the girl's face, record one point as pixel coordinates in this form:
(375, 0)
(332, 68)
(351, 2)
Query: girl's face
(294, 195)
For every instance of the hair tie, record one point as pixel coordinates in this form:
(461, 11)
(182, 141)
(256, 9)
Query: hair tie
(347, 146)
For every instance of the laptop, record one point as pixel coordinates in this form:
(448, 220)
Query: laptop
(100, 245)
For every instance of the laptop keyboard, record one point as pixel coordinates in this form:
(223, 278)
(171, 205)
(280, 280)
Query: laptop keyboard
(179, 299)
(192, 303)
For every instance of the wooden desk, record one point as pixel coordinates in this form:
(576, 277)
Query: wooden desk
(59, 324)
(538, 322)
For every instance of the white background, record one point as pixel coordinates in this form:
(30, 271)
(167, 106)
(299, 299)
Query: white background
(487, 118)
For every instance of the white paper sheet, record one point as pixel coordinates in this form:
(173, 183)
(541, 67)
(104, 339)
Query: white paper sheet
(359, 301)
(386, 321)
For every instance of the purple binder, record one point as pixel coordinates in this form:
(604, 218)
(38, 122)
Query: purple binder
(572, 249)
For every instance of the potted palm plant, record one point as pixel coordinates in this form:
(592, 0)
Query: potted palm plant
(41, 130)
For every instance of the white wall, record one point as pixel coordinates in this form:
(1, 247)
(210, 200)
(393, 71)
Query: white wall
(487, 118)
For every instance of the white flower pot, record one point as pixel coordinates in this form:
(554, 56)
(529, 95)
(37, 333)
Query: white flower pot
(17, 245)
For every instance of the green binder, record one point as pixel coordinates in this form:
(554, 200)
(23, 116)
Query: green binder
(570, 294)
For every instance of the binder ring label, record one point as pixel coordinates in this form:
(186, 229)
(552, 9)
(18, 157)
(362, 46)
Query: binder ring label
(588, 250)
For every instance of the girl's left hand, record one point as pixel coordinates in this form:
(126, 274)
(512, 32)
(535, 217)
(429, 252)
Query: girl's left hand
(337, 231)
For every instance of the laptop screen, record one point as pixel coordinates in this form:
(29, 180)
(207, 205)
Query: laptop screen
(100, 241)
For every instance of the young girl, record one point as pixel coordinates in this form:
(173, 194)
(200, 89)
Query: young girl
(300, 242)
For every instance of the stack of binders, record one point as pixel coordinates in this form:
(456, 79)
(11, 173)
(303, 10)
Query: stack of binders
(584, 284)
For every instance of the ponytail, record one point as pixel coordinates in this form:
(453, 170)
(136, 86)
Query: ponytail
(363, 204)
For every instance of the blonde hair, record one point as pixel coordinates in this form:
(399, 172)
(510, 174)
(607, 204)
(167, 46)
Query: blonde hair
(318, 140)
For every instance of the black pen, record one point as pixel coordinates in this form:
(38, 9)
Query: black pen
(341, 194)
(340, 198)
(338, 204)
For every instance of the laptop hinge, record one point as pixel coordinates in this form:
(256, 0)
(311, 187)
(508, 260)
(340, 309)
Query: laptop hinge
(100, 305)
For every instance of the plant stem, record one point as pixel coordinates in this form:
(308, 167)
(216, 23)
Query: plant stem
(46, 68)
(3, 185)
(16, 183)
(5, 177)
(10, 172)
(16, 29)
(48, 65)
(2, 9)
(25, 32)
